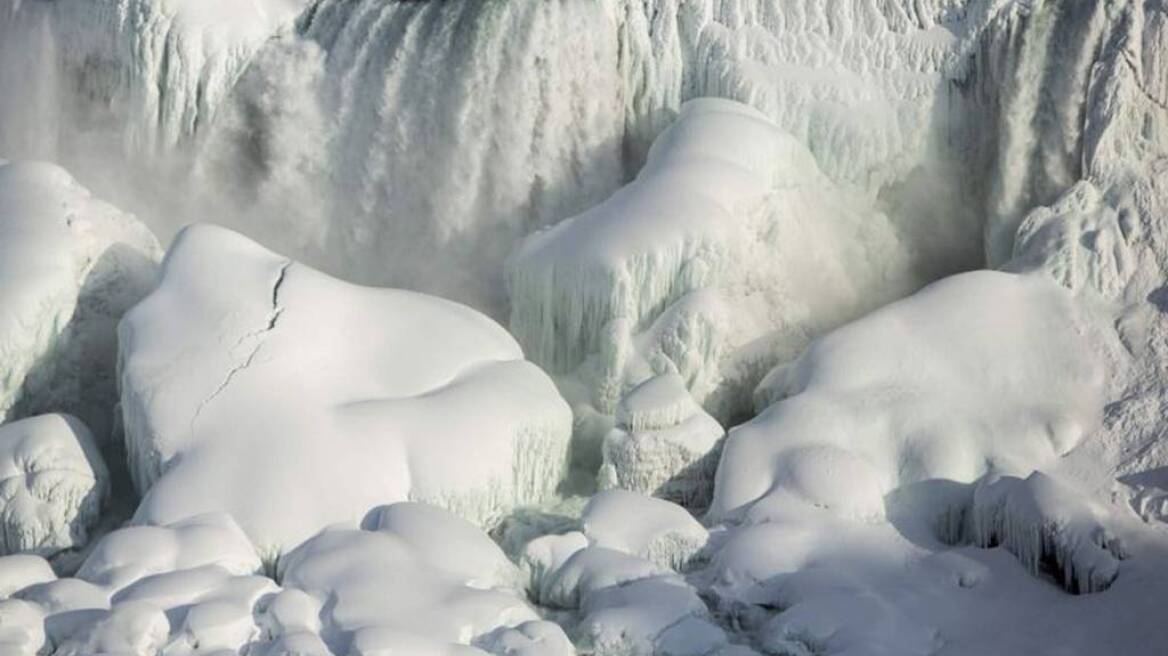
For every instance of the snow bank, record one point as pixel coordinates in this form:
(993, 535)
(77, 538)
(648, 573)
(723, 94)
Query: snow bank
(982, 370)
(653, 529)
(253, 385)
(1041, 520)
(664, 444)
(70, 266)
(20, 571)
(405, 585)
(702, 265)
(53, 484)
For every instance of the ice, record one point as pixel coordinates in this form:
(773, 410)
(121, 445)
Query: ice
(253, 385)
(653, 529)
(1040, 519)
(694, 267)
(53, 484)
(70, 266)
(981, 370)
(664, 444)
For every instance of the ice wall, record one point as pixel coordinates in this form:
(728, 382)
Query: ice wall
(413, 142)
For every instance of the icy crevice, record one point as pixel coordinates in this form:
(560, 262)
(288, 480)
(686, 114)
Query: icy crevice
(259, 336)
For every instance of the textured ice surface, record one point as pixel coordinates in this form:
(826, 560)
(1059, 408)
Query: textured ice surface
(252, 384)
(70, 266)
(664, 444)
(53, 484)
(725, 255)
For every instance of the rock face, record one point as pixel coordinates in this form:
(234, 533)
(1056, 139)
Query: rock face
(53, 483)
(255, 385)
(70, 266)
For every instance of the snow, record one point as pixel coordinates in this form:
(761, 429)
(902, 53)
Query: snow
(664, 444)
(385, 591)
(53, 485)
(694, 267)
(228, 408)
(990, 451)
(980, 371)
(653, 529)
(70, 266)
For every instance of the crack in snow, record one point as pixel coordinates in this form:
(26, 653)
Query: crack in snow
(273, 318)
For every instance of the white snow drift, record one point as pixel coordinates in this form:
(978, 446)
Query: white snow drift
(257, 386)
(983, 371)
(70, 266)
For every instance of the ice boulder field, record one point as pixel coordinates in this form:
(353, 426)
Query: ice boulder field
(611, 328)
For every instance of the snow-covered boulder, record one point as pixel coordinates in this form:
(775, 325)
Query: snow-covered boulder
(257, 386)
(70, 266)
(722, 258)
(664, 444)
(20, 571)
(53, 484)
(981, 370)
(650, 528)
(385, 589)
(130, 554)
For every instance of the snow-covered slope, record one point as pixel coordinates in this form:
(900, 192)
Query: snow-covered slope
(70, 266)
(255, 385)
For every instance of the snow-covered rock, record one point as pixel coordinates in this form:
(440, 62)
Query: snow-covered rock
(982, 370)
(703, 265)
(130, 554)
(70, 266)
(20, 571)
(53, 484)
(385, 590)
(255, 385)
(650, 528)
(664, 444)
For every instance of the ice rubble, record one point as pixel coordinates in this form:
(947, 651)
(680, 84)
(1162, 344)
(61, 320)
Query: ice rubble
(70, 266)
(694, 268)
(664, 444)
(53, 484)
(251, 384)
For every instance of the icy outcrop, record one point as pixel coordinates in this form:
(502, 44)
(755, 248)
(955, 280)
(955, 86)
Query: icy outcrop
(906, 395)
(252, 384)
(70, 266)
(649, 528)
(53, 484)
(664, 444)
(702, 265)
(1039, 519)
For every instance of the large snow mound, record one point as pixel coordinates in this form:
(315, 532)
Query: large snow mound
(70, 266)
(980, 371)
(257, 386)
(726, 254)
(53, 483)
